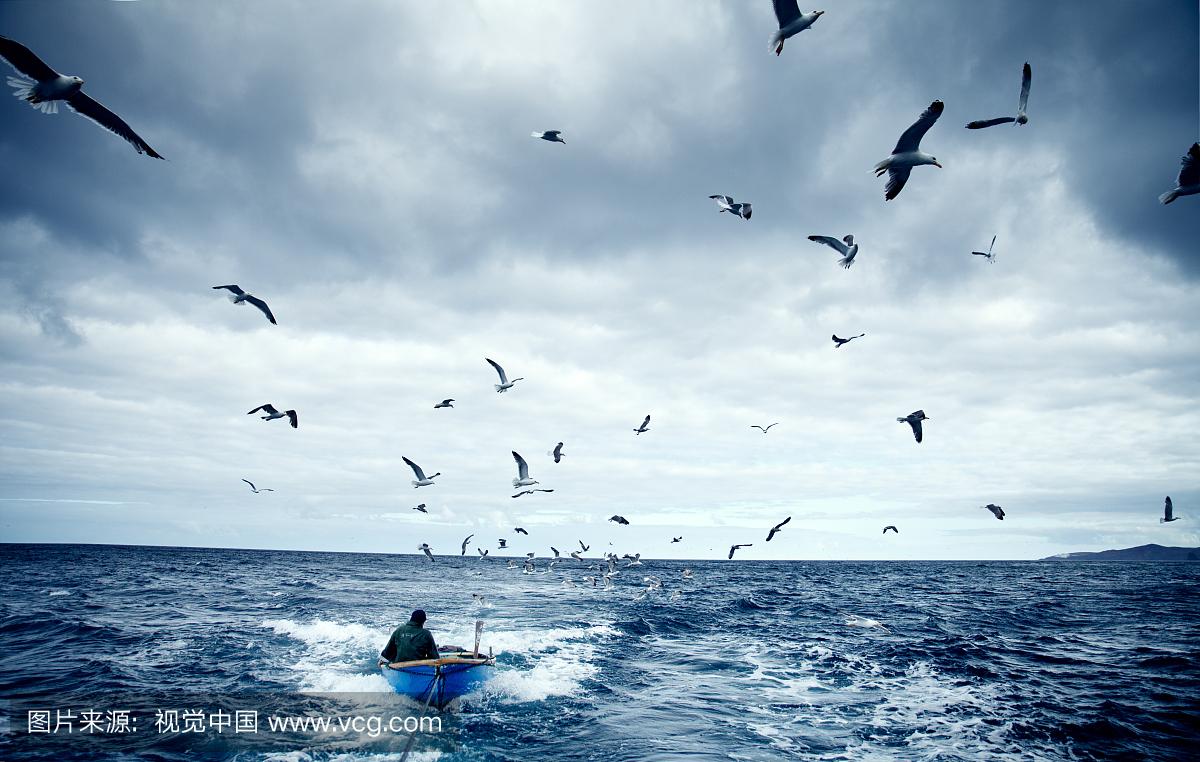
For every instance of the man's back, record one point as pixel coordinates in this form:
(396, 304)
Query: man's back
(410, 642)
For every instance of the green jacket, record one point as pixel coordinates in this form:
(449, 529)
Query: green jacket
(410, 642)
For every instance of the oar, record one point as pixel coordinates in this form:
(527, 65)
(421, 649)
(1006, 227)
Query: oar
(478, 633)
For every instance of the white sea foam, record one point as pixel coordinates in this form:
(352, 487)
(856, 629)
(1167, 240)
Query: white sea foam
(54, 593)
(332, 658)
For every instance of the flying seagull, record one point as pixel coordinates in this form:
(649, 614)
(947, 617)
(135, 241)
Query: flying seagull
(846, 247)
(733, 548)
(996, 510)
(238, 296)
(837, 343)
(791, 22)
(907, 153)
(726, 204)
(504, 384)
(428, 551)
(420, 507)
(522, 479)
(443, 403)
(503, 543)
(764, 429)
(889, 526)
(557, 452)
(464, 544)
(644, 427)
(482, 552)
(422, 480)
(256, 490)
(676, 539)
(1168, 512)
(556, 553)
(1188, 183)
(585, 548)
(531, 491)
(914, 419)
(777, 527)
(990, 256)
(520, 530)
(43, 87)
(618, 519)
(272, 414)
(553, 136)
(1020, 118)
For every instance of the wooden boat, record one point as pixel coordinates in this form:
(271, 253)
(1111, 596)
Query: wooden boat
(439, 681)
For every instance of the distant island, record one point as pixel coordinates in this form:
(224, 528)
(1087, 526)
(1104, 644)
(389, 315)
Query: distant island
(1140, 553)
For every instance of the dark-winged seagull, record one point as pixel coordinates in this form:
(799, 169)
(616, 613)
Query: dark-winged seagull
(1188, 183)
(553, 136)
(644, 427)
(1168, 512)
(420, 507)
(482, 552)
(733, 548)
(256, 490)
(522, 479)
(428, 551)
(846, 247)
(504, 384)
(503, 543)
(585, 548)
(521, 530)
(764, 429)
(907, 153)
(43, 87)
(996, 510)
(464, 544)
(531, 491)
(238, 296)
(791, 22)
(556, 553)
(991, 257)
(727, 204)
(676, 539)
(422, 480)
(914, 419)
(889, 526)
(444, 403)
(777, 527)
(837, 343)
(618, 519)
(1020, 118)
(557, 452)
(272, 414)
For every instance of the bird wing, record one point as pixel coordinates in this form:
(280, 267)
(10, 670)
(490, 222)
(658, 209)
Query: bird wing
(831, 242)
(84, 105)
(267, 408)
(1189, 174)
(773, 424)
(464, 544)
(723, 201)
(522, 466)
(293, 418)
(916, 427)
(646, 422)
(250, 483)
(25, 61)
(262, 306)
(981, 123)
(503, 378)
(897, 177)
(990, 245)
(745, 210)
(234, 288)
(786, 11)
(910, 140)
(1026, 80)
(1168, 509)
(553, 133)
(416, 469)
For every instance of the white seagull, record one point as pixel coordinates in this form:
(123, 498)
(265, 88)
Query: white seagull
(907, 153)
(791, 22)
(991, 257)
(428, 551)
(644, 427)
(726, 204)
(238, 296)
(256, 490)
(1020, 118)
(43, 87)
(272, 414)
(914, 419)
(553, 136)
(1188, 183)
(422, 480)
(522, 479)
(846, 247)
(504, 384)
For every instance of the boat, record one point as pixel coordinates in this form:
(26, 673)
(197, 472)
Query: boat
(439, 681)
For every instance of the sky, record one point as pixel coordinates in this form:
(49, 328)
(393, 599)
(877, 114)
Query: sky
(367, 169)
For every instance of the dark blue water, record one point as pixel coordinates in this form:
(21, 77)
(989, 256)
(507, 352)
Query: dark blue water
(748, 661)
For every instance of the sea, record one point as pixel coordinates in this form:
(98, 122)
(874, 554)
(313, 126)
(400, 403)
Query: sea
(103, 647)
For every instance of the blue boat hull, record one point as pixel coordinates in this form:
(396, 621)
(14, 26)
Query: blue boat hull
(438, 685)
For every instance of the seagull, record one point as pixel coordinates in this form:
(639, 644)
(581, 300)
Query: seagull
(619, 520)
(996, 510)
(1020, 118)
(676, 539)
(687, 573)
(427, 550)
(634, 560)
(791, 22)
(726, 204)
(846, 247)
(272, 414)
(530, 492)
(556, 553)
(889, 526)
(644, 427)
(764, 429)
(837, 343)
(1168, 512)
(553, 136)
(522, 479)
(503, 543)
(521, 530)
(914, 419)
(907, 153)
(238, 296)
(443, 403)
(557, 452)
(256, 490)
(477, 598)
(1188, 183)
(464, 544)
(512, 563)
(482, 552)
(990, 256)
(420, 507)
(422, 480)
(777, 527)
(504, 384)
(733, 548)
(854, 620)
(576, 555)
(585, 548)
(591, 579)
(43, 87)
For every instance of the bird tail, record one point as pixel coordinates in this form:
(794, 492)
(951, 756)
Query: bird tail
(882, 166)
(846, 262)
(1169, 196)
(499, 388)
(24, 89)
(901, 420)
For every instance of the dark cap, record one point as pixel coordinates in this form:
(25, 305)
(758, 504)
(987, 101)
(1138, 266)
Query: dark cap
(418, 616)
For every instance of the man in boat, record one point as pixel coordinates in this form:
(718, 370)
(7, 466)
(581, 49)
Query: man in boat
(411, 641)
